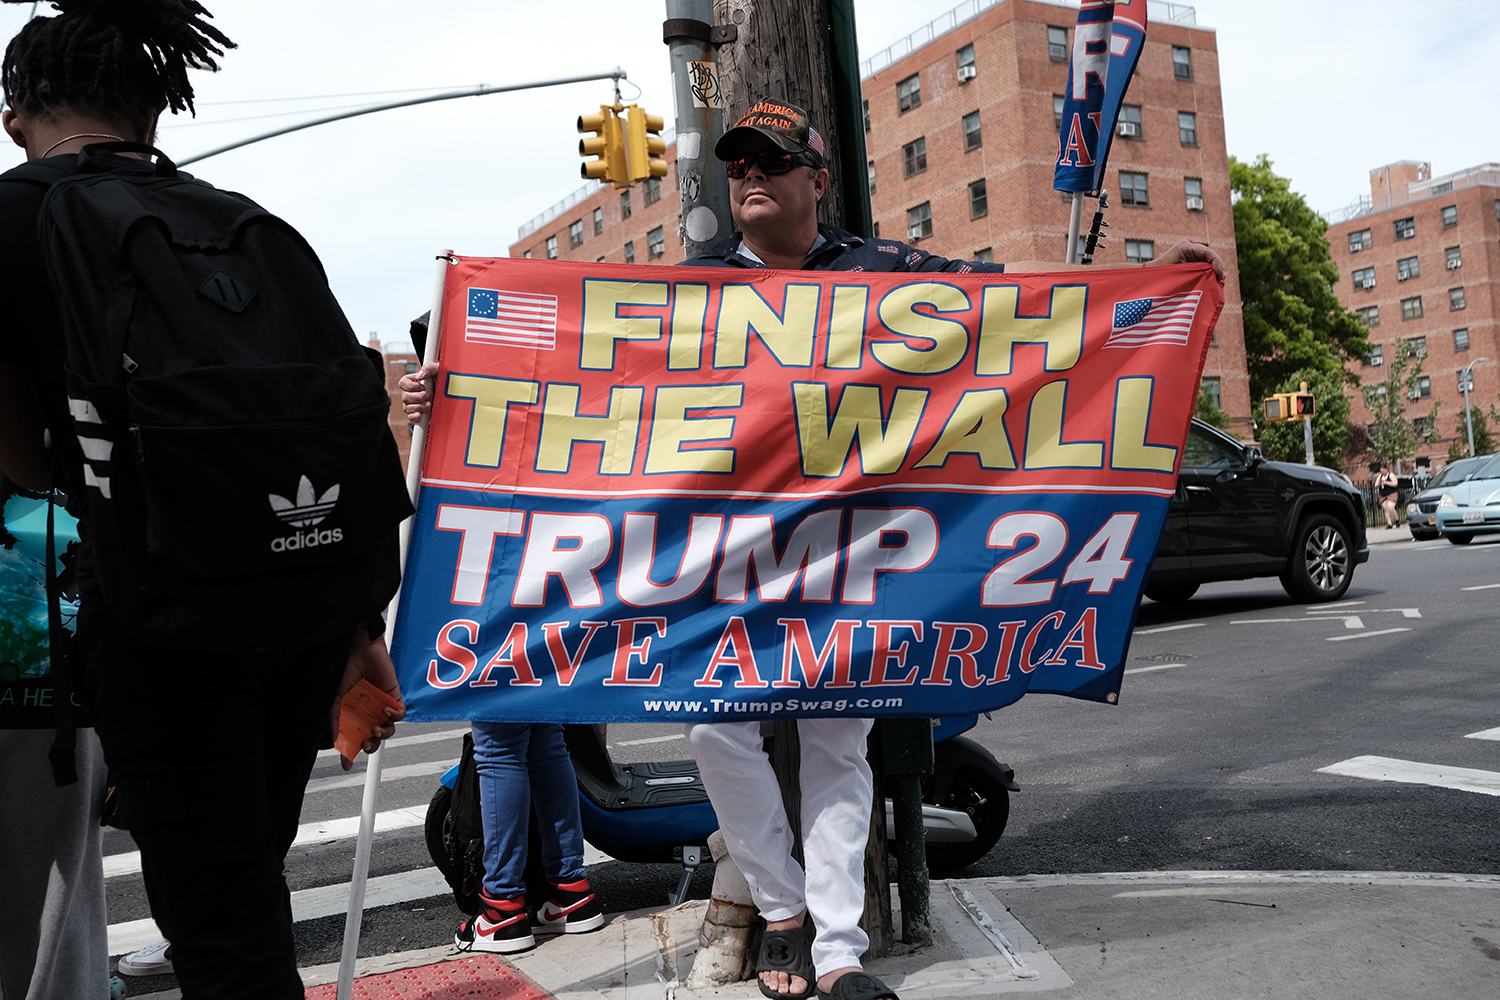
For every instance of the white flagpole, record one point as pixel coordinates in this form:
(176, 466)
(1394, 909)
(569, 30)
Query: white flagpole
(373, 768)
(1075, 223)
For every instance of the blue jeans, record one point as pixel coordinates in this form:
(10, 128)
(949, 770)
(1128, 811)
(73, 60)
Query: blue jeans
(525, 764)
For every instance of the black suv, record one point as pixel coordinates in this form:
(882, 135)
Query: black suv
(1236, 515)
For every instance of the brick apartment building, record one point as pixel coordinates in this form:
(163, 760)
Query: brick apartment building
(961, 132)
(1420, 262)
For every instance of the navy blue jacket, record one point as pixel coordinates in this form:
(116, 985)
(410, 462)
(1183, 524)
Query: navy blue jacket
(846, 252)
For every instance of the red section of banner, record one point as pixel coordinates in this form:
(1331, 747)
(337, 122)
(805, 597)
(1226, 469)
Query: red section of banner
(767, 383)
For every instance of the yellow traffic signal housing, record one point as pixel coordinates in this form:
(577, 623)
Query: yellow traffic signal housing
(646, 144)
(1286, 407)
(607, 144)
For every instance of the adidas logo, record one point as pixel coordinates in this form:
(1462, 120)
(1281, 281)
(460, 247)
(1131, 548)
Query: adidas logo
(309, 509)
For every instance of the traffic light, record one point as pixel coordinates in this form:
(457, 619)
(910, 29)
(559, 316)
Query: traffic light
(646, 144)
(607, 144)
(1286, 407)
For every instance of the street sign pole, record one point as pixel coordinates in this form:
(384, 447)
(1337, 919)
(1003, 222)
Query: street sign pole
(1307, 438)
(702, 183)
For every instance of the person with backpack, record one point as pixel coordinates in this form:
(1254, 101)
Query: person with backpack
(222, 438)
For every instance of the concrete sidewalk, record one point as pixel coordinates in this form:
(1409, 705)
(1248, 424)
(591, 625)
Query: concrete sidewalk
(1381, 535)
(1189, 935)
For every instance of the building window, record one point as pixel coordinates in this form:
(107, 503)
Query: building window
(1187, 128)
(1450, 214)
(919, 221)
(1129, 125)
(973, 139)
(985, 256)
(1423, 425)
(914, 157)
(552, 248)
(651, 191)
(1057, 109)
(630, 252)
(866, 105)
(656, 244)
(979, 202)
(1461, 340)
(1369, 315)
(1133, 189)
(1192, 189)
(870, 172)
(1182, 62)
(1411, 308)
(598, 221)
(1416, 347)
(1360, 241)
(1406, 228)
(1057, 43)
(1364, 278)
(527, 255)
(599, 260)
(1374, 394)
(965, 59)
(1376, 355)
(909, 93)
(1455, 299)
(1139, 251)
(877, 230)
(624, 204)
(1454, 258)
(1423, 388)
(1211, 389)
(1406, 268)
(575, 234)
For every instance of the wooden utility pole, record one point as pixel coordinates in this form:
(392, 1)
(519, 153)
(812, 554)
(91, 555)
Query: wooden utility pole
(802, 52)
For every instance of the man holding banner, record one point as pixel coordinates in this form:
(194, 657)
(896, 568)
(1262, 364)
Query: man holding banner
(551, 493)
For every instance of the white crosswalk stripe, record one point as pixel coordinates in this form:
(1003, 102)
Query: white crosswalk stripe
(1464, 779)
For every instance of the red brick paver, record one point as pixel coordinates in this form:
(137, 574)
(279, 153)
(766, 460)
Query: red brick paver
(477, 977)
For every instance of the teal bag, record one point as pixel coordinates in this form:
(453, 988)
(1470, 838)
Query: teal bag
(27, 698)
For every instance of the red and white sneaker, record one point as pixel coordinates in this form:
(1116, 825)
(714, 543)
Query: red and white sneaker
(501, 926)
(573, 909)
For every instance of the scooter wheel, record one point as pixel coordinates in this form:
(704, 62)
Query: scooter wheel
(976, 787)
(438, 827)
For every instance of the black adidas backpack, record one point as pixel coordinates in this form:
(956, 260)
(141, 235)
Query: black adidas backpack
(240, 478)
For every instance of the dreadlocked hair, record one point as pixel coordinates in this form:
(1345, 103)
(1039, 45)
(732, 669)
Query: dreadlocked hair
(114, 57)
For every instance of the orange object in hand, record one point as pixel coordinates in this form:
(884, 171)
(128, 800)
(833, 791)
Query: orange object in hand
(360, 713)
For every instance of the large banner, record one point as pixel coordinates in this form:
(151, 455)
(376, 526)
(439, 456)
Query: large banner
(654, 494)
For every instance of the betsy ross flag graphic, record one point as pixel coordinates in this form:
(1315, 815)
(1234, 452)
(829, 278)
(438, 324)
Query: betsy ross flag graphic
(521, 319)
(1164, 320)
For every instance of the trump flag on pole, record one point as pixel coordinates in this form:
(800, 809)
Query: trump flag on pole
(1107, 43)
(728, 494)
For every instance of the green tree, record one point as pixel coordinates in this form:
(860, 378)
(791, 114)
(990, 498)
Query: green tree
(1293, 321)
(1392, 435)
(1205, 410)
(1484, 439)
(1330, 426)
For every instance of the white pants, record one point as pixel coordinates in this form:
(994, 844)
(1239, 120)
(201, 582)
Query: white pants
(836, 793)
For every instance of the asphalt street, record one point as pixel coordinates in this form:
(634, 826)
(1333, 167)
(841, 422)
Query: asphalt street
(1252, 733)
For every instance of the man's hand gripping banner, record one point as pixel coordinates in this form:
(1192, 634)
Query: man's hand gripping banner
(658, 494)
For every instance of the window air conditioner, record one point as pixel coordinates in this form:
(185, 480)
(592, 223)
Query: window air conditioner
(1368, 283)
(1129, 129)
(1377, 361)
(1356, 247)
(966, 73)
(1402, 275)
(914, 232)
(1454, 263)
(1194, 203)
(1415, 394)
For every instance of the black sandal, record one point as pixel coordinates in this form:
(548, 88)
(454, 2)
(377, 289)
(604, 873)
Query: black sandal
(788, 951)
(858, 986)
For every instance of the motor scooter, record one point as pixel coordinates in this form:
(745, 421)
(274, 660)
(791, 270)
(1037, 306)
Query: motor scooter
(658, 811)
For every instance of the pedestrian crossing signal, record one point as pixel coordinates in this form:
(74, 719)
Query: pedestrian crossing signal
(1289, 407)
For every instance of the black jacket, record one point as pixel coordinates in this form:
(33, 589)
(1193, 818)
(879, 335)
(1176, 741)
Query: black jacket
(847, 252)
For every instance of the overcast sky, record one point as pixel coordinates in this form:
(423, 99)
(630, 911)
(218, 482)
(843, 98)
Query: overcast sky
(1329, 89)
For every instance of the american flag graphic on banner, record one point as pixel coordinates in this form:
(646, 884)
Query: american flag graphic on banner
(1164, 320)
(523, 319)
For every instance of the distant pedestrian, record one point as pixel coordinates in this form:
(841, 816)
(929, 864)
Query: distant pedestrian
(1389, 489)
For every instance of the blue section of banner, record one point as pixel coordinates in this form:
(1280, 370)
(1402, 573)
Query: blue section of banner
(917, 603)
(1100, 68)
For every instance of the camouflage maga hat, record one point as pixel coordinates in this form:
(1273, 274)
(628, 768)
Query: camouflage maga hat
(785, 127)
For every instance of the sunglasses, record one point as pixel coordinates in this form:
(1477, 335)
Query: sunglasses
(770, 164)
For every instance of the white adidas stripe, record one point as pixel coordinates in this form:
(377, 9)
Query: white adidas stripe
(96, 449)
(83, 411)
